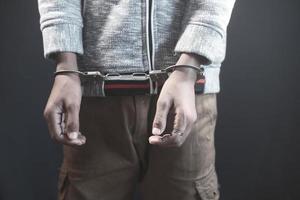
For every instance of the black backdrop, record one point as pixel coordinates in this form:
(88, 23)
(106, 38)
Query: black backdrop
(257, 136)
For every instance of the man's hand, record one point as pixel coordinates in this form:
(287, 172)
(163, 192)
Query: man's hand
(177, 93)
(62, 109)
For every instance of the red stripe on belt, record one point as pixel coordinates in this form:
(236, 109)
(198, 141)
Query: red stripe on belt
(126, 86)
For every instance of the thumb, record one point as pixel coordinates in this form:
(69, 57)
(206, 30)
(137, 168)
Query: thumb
(72, 124)
(160, 119)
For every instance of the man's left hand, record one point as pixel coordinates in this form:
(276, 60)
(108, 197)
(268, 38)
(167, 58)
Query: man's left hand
(178, 93)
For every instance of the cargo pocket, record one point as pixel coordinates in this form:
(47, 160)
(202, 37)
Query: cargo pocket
(207, 187)
(63, 183)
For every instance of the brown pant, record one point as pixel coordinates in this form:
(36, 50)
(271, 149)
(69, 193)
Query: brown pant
(117, 158)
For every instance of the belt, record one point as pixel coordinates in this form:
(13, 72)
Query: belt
(94, 83)
(114, 84)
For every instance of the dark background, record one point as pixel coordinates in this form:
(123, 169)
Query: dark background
(257, 136)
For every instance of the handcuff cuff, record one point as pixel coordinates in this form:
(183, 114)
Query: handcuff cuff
(94, 83)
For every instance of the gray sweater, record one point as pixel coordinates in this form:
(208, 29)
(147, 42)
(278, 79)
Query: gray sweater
(128, 36)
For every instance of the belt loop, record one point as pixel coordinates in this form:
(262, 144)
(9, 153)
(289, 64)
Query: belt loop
(157, 78)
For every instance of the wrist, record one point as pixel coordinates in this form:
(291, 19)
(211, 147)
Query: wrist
(191, 59)
(186, 74)
(66, 61)
(72, 76)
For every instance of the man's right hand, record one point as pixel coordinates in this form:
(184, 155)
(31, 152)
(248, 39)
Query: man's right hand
(63, 106)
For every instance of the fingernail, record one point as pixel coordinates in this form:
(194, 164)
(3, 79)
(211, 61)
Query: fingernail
(73, 135)
(156, 131)
(153, 140)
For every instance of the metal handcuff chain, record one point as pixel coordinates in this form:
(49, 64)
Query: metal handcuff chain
(168, 69)
(156, 76)
(91, 73)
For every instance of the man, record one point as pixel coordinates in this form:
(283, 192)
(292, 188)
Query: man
(164, 142)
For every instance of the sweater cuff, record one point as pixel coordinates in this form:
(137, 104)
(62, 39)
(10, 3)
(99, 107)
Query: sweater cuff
(62, 38)
(202, 40)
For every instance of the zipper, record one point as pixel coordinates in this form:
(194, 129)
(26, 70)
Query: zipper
(152, 35)
(149, 33)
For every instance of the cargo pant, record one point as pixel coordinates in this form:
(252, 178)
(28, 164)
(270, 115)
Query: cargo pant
(117, 159)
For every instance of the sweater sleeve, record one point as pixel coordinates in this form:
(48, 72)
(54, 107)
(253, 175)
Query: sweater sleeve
(61, 26)
(205, 31)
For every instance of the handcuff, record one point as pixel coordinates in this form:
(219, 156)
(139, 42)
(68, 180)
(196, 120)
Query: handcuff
(94, 83)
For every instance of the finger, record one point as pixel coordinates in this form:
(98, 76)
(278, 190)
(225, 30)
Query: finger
(176, 138)
(70, 138)
(157, 139)
(160, 119)
(166, 140)
(80, 139)
(72, 125)
(180, 123)
(71, 118)
(53, 116)
(182, 126)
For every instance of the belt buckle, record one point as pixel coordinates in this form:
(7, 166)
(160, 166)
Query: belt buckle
(93, 82)
(126, 84)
